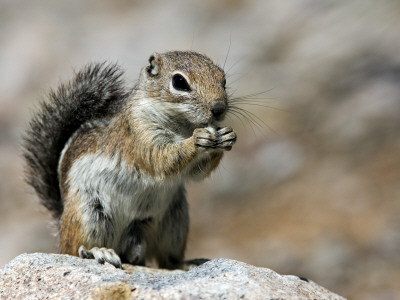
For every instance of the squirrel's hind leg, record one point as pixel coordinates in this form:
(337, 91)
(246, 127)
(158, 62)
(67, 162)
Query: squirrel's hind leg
(172, 235)
(133, 245)
(85, 225)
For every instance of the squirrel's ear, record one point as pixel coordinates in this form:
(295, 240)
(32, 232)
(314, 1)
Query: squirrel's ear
(155, 64)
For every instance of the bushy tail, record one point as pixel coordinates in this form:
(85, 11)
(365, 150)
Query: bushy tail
(95, 92)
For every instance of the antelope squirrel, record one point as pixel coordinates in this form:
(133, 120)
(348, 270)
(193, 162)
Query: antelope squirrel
(110, 164)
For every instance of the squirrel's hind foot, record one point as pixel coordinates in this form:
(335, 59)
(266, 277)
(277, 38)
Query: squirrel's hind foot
(101, 255)
(192, 263)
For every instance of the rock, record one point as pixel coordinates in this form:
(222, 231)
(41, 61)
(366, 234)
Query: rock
(39, 276)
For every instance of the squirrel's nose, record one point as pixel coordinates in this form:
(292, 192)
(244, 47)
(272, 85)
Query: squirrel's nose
(218, 109)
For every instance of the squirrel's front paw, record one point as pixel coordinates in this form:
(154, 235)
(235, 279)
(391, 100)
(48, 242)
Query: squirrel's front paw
(226, 137)
(204, 138)
(101, 255)
(222, 138)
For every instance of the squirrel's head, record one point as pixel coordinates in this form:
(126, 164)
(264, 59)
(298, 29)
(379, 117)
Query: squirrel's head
(188, 84)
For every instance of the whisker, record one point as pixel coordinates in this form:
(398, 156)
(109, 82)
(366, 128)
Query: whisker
(233, 65)
(252, 118)
(227, 54)
(237, 79)
(255, 117)
(258, 104)
(250, 96)
(249, 119)
(254, 99)
(238, 116)
(234, 114)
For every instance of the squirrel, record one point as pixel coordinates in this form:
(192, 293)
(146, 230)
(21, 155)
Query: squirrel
(110, 163)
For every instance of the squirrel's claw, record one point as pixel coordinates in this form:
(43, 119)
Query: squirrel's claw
(101, 255)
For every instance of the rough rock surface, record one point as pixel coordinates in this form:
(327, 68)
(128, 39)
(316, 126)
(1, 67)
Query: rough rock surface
(52, 276)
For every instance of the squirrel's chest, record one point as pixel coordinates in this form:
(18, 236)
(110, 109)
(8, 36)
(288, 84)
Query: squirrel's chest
(123, 194)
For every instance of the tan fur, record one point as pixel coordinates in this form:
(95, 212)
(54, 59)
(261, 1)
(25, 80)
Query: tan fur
(133, 141)
(158, 139)
(71, 227)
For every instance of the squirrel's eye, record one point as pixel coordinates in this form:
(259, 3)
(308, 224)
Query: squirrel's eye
(224, 83)
(180, 83)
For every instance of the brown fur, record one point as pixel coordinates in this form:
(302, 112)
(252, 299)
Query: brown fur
(72, 235)
(173, 148)
(135, 144)
(86, 140)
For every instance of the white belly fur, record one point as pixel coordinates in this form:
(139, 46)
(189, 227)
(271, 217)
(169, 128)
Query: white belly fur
(124, 194)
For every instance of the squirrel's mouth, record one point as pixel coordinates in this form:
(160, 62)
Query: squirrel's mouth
(219, 118)
(201, 120)
(215, 120)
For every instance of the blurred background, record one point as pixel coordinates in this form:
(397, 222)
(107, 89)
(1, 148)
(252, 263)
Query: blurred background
(312, 186)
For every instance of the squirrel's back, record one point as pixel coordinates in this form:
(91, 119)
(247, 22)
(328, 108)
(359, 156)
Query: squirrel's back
(96, 92)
